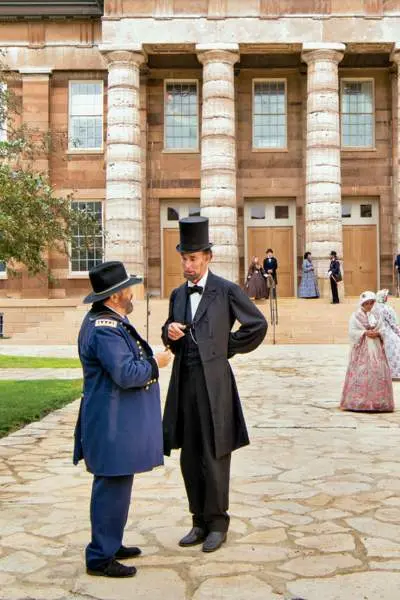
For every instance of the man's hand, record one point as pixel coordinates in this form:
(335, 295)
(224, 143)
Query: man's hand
(176, 331)
(163, 358)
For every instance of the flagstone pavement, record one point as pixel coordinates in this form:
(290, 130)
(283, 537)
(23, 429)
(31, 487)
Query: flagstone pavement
(315, 504)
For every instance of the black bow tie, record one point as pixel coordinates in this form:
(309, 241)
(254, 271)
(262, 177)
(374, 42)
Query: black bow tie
(195, 289)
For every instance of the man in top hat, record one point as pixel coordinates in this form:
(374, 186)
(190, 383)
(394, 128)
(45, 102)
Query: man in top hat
(203, 415)
(270, 267)
(119, 429)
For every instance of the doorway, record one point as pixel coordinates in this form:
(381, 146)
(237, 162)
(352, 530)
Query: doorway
(271, 224)
(360, 218)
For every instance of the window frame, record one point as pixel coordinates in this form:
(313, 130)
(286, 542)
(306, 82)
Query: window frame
(4, 274)
(77, 150)
(283, 148)
(371, 148)
(4, 137)
(84, 274)
(180, 150)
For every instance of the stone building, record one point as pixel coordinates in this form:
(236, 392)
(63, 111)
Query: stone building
(277, 119)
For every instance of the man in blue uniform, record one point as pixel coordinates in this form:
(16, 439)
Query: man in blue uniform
(119, 429)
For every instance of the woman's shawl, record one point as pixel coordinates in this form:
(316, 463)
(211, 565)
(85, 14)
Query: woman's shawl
(360, 322)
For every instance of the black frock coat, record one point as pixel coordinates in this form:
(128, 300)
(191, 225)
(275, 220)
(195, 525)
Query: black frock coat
(221, 304)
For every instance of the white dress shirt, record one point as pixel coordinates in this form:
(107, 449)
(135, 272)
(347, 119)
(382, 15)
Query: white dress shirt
(196, 297)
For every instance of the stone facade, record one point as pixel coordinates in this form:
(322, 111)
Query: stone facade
(225, 46)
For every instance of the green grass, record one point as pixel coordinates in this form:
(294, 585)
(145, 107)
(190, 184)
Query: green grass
(37, 362)
(22, 402)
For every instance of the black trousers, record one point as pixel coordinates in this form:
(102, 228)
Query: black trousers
(206, 477)
(334, 288)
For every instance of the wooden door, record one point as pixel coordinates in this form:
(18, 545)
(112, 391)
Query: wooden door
(359, 258)
(173, 276)
(280, 239)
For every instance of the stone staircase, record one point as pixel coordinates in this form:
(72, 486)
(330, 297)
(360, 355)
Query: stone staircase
(57, 322)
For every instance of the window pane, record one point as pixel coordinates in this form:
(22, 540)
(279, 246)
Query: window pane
(346, 211)
(181, 116)
(172, 214)
(281, 212)
(257, 212)
(269, 114)
(357, 114)
(2, 267)
(86, 115)
(366, 210)
(194, 211)
(87, 252)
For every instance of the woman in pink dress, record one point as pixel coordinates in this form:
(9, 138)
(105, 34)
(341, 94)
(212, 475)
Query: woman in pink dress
(368, 383)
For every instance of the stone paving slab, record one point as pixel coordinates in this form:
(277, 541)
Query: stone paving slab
(315, 507)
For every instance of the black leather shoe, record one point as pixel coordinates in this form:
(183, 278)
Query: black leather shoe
(128, 552)
(195, 536)
(113, 569)
(214, 540)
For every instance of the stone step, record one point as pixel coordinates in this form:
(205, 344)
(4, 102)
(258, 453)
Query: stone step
(300, 321)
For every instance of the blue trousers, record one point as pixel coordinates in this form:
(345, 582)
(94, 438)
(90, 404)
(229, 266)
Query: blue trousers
(109, 507)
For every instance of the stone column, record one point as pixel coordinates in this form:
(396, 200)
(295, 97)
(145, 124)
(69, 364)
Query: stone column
(123, 208)
(218, 155)
(396, 153)
(323, 175)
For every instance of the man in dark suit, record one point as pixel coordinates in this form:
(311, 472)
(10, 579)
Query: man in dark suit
(119, 430)
(270, 267)
(203, 415)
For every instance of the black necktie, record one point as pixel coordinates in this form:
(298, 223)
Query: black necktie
(195, 289)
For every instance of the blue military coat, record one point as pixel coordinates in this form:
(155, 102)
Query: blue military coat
(119, 429)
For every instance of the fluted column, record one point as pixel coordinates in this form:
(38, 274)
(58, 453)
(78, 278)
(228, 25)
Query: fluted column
(218, 155)
(396, 152)
(323, 174)
(123, 210)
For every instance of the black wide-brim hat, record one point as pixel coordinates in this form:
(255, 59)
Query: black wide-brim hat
(108, 278)
(193, 234)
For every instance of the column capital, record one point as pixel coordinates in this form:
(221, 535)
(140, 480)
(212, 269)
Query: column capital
(127, 54)
(218, 53)
(313, 52)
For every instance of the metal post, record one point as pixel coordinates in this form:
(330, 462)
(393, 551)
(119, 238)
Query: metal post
(148, 296)
(1, 325)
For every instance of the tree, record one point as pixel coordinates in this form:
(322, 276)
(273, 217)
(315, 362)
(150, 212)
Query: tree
(33, 220)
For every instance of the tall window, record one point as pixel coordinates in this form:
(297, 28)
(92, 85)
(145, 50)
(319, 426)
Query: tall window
(357, 114)
(181, 115)
(85, 115)
(269, 114)
(87, 251)
(3, 112)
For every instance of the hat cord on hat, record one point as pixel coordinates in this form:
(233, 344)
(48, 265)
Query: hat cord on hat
(111, 288)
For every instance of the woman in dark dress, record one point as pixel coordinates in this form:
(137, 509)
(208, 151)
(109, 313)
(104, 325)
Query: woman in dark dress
(255, 284)
(334, 276)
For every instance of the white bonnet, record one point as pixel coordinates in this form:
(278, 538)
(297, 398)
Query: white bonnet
(382, 295)
(365, 296)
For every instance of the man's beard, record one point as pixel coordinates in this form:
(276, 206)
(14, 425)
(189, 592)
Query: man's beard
(191, 278)
(129, 307)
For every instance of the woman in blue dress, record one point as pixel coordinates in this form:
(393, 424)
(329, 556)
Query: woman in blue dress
(308, 287)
